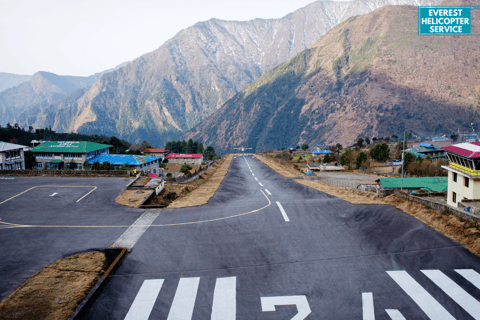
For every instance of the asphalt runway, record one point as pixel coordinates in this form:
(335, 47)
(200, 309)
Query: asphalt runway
(266, 247)
(48, 222)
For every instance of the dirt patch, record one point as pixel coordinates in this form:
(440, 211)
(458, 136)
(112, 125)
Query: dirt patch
(54, 292)
(174, 167)
(285, 170)
(199, 191)
(142, 182)
(447, 224)
(133, 198)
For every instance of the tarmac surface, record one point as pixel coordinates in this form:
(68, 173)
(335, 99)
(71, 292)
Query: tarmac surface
(45, 219)
(266, 247)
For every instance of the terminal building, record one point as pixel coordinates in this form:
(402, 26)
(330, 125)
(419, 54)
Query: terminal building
(58, 154)
(463, 172)
(148, 164)
(196, 159)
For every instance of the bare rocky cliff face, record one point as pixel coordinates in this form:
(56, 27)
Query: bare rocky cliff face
(163, 94)
(371, 75)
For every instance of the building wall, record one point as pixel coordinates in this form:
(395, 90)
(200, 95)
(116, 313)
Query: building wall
(12, 163)
(66, 158)
(196, 161)
(152, 166)
(462, 192)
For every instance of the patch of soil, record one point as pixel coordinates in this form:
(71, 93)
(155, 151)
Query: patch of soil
(54, 292)
(447, 224)
(196, 192)
(285, 170)
(142, 182)
(133, 198)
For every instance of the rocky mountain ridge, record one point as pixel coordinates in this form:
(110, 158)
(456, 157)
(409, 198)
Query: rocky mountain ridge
(162, 94)
(372, 75)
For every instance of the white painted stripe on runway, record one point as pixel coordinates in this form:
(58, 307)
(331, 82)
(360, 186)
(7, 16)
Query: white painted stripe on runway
(269, 303)
(143, 304)
(256, 178)
(367, 306)
(422, 298)
(184, 300)
(471, 275)
(53, 194)
(268, 192)
(395, 314)
(261, 185)
(136, 230)
(225, 299)
(454, 291)
(284, 214)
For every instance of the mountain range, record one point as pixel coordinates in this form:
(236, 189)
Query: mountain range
(165, 93)
(371, 75)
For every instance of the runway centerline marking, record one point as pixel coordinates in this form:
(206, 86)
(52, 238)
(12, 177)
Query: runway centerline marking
(284, 214)
(261, 185)
(94, 188)
(53, 194)
(268, 192)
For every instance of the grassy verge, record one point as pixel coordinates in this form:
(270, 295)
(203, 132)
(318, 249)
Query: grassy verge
(54, 292)
(285, 170)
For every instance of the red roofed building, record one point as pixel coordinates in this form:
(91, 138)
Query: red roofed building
(463, 172)
(196, 159)
(155, 152)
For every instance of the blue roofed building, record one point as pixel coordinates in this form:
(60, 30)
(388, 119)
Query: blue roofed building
(320, 152)
(428, 150)
(141, 163)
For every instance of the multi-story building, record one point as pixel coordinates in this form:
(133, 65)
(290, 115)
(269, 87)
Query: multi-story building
(58, 154)
(196, 159)
(428, 150)
(155, 152)
(11, 156)
(463, 172)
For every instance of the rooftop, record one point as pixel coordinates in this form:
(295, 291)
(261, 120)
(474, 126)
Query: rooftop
(466, 149)
(436, 184)
(122, 159)
(69, 146)
(184, 156)
(5, 146)
(156, 150)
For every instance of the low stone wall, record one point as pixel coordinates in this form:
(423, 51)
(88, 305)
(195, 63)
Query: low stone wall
(440, 207)
(68, 173)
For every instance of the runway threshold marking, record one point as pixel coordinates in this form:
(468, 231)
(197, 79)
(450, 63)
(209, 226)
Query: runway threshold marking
(184, 300)
(143, 304)
(94, 188)
(420, 296)
(394, 314)
(367, 306)
(13, 225)
(284, 214)
(225, 299)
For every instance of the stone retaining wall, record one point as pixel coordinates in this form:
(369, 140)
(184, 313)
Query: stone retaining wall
(441, 207)
(68, 173)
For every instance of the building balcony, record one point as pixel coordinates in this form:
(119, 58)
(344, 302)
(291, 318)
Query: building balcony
(464, 171)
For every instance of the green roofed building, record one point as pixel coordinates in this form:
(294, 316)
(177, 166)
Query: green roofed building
(58, 154)
(429, 184)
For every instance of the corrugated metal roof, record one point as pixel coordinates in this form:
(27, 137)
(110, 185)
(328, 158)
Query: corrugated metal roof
(321, 152)
(469, 149)
(437, 184)
(5, 146)
(156, 150)
(123, 159)
(69, 147)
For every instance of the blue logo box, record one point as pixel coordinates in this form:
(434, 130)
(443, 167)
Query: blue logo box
(444, 20)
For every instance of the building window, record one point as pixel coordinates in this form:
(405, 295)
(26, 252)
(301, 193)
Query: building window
(454, 177)
(454, 197)
(467, 180)
(39, 165)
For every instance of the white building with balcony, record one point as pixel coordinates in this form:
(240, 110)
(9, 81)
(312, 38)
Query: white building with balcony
(11, 156)
(463, 172)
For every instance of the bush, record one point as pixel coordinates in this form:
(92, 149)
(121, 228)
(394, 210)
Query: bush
(185, 169)
(106, 166)
(96, 165)
(328, 158)
(380, 152)
(72, 165)
(361, 157)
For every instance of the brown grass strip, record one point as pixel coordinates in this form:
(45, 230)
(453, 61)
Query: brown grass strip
(54, 292)
(203, 193)
(133, 198)
(447, 224)
(285, 170)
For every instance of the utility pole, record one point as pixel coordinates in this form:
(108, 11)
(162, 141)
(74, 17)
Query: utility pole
(403, 158)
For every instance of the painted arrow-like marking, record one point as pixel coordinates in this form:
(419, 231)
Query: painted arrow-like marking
(269, 303)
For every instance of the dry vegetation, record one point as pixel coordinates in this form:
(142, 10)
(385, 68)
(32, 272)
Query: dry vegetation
(284, 169)
(133, 198)
(54, 292)
(196, 192)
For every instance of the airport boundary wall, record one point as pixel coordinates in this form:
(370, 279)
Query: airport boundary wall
(68, 173)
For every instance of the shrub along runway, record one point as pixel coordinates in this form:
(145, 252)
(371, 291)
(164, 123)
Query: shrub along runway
(298, 252)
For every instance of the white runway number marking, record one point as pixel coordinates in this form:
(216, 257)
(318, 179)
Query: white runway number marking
(269, 303)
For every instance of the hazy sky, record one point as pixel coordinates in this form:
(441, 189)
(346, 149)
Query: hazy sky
(82, 37)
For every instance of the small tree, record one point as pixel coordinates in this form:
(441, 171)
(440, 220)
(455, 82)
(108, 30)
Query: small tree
(367, 140)
(304, 146)
(361, 157)
(185, 169)
(283, 148)
(328, 158)
(380, 152)
(454, 137)
(72, 165)
(408, 158)
(360, 142)
(96, 165)
(30, 160)
(107, 166)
